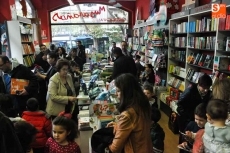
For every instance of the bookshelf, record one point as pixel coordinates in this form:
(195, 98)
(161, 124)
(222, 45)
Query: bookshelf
(20, 39)
(198, 44)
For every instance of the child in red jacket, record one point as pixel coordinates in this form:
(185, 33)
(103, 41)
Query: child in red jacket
(43, 125)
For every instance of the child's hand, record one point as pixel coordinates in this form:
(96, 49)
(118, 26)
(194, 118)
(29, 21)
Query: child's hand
(189, 134)
(111, 124)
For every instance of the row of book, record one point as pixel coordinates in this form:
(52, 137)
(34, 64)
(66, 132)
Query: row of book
(26, 38)
(224, 23)
(177, 83)
(177, 70)
(203, 25)
(221, 63)
(27, 49)
(201, 60)
(202, 42)
(179, 28)
(28, 60)
(179, 41)
(178, 55)
(193, 75)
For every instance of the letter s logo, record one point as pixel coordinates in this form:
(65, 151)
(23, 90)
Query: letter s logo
(215, 8)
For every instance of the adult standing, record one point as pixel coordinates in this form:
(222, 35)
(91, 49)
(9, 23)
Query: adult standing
(81, 51)
(132, 129)
(18, 71)
(123, 64)
(61, 93)
(124, 49)
(41, 60)
(73, 57)
(111, 55)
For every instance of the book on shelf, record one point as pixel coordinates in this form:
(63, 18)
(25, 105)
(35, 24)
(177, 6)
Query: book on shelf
(221, 63)
(203, 25)
(208, 61)
(179, 28)
(201, 60)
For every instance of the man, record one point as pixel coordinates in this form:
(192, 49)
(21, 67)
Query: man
(40, 59)
(124, 46)
(140, 68)
(81, 51)
(191, 98)
(15, 70)
(73, 57)
(111, 55)
(123, 64)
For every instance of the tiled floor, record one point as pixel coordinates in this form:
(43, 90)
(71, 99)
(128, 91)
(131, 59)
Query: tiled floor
(171, 140)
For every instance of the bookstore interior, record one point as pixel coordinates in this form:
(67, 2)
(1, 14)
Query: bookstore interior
(182, 40)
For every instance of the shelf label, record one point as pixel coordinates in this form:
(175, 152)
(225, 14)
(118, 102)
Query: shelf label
(218, 10)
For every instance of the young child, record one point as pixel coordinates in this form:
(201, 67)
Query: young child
(216, 136)
(38, 119)
(148, 90)
(64, 133)
(157, 133)
(194, 126)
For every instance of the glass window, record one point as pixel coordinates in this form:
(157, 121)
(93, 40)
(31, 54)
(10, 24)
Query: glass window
(19, 9)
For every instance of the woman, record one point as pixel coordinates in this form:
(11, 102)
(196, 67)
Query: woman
(148, 75)
(61, 94)
(61, 52)
(132, 129)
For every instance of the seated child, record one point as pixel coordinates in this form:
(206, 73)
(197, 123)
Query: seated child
(64, 134)
(157, 133)
(216, 136)
(43, 125)
(148, 90)
(193, 126)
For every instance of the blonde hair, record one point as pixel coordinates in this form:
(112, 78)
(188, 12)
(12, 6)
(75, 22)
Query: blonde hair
(221, 89)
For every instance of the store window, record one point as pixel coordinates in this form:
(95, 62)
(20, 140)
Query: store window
(96, 25)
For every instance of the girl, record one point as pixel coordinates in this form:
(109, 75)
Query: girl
(216, 136)
(148, 75)
(64, 133)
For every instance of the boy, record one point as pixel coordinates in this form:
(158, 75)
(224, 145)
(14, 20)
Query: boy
(148, 91)
(194, 126)
(43, 125)
(157, 133)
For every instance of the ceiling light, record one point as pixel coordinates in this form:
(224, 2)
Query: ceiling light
(112, 1)
(117, 5)
(70, 2)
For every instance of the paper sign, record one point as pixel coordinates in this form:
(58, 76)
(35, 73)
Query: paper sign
(218, 10)
(17, 85)
(99, 110)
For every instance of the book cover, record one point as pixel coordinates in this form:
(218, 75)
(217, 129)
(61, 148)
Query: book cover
(17, 85)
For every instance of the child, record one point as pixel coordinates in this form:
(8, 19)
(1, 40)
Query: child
(148, 90)
(157, 133)
(194, 126)
(216, 136)
(64, 133)
(43, 125)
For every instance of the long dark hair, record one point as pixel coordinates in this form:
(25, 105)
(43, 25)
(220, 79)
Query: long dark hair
(132, 95)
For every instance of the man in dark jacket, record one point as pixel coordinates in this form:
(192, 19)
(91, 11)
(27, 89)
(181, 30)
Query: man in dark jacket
(81, 51)
(123, 64)
(41, 58)
(191, 98)
(19, 71)
(73, 57)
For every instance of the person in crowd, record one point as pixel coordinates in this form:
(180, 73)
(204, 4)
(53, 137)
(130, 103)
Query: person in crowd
(124, 46)
(221, 89)
(191, 98)
(52, 60)
(216, 136)
(73, 57)
(9, 142)
(26, 133)
(140, 68)
(134, 123)
(193, 127)
(148, 76)
(19, 71)
(81, 51)
(61, 52)
(41, 58)
(40, 121)
(64, 134)
(111, 54)
(61, 93)
(52, 47)
(157, 133)
(148, 91)
(7, 105)
(123, 64)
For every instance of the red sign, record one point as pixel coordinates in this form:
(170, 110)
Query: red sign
(218, 10)
(68, 16)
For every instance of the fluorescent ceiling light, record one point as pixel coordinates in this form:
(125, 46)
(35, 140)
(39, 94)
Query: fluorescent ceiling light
(70, 2)
(117, 5)
(112, 1)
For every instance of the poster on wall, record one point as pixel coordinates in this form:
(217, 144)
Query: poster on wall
(4, 41)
